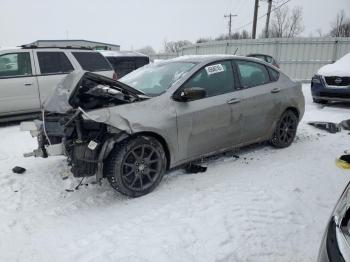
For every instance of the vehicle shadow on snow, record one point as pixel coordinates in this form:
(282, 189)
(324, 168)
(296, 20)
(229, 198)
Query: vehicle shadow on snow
(340, 105)
(106, 196)
(93, 192)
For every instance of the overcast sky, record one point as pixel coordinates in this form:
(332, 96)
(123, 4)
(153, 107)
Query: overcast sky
(134, 24)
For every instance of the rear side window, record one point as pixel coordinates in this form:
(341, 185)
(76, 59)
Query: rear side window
(274, 75)
(92, 61)
(252, 74)
(54, 63)
(215, 78)
(15, 64)
(125, 65)
(122, 66)
(141, 62)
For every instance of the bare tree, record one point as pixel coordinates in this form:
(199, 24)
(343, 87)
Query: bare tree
(341, 26)
(146, 50)
(286, 23)
(174, 47)
(203, 40)
(235, 35)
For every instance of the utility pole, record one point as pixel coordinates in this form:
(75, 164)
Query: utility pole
(229, 23)
(268, 18)
(255, 19)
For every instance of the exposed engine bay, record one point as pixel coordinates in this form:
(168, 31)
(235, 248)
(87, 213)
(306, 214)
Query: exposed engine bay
(67, 128)
(80, 140)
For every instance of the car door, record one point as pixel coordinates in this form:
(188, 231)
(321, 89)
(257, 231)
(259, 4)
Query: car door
(259, 97)
(52, 67)
(209, 124)
(18, 84)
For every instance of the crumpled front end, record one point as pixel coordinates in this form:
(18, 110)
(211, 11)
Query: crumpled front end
(67, 127)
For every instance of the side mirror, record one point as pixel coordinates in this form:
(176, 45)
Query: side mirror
(190, 94)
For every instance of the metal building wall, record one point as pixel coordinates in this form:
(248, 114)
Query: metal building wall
(299, 58)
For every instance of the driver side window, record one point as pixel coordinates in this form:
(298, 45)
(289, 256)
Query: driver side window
(215, 79)
(15, 64)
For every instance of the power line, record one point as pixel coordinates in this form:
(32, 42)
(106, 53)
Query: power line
(229, 23)
(262, 15)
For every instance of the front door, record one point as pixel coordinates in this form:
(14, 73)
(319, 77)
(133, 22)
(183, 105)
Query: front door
(212, 123)
(18, 84)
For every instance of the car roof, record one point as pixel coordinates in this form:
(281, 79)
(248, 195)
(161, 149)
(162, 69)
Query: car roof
(108, 53)
(75, 49)
(208, 58)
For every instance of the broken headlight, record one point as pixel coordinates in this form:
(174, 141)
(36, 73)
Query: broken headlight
(316, 79)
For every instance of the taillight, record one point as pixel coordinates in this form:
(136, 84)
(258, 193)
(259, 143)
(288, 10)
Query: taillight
(115, 76)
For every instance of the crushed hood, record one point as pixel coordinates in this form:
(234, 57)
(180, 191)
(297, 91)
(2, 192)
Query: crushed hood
(76, 90)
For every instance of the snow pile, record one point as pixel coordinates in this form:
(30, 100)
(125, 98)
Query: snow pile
(339, 68)
(268, 205)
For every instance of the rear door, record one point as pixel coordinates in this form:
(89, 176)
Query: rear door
(260, 97)
(209, 124)
(52, 67)
(18, 84)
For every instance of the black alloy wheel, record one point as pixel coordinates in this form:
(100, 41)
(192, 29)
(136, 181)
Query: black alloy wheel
(136, 166)
(141, 167)
(285, 130)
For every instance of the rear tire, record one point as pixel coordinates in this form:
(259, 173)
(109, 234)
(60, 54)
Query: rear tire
(285, 130)
(136, 166)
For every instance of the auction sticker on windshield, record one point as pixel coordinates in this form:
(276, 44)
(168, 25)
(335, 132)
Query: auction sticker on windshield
(213, 69)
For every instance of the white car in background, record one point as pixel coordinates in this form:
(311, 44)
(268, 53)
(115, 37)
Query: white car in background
(29, 74)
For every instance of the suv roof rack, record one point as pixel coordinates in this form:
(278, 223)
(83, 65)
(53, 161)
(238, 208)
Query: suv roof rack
(59, 47)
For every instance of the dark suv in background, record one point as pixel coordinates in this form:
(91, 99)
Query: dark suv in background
(125, 62)
(332, 82)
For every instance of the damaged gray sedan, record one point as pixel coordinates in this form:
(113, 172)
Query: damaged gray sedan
(164, 115)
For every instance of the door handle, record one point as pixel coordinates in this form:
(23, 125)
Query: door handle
(28, 84)
(234, 101)
(275, 90)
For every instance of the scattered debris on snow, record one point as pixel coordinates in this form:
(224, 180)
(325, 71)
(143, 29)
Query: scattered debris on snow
(18, 170)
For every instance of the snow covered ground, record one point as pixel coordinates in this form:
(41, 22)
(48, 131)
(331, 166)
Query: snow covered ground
(268, 205)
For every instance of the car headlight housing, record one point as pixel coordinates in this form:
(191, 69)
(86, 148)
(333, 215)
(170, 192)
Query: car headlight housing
(316, 79)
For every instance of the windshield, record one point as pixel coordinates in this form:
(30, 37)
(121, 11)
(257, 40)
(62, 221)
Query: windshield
(155, 79)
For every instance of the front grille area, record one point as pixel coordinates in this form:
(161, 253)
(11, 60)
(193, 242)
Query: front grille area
(337, 81)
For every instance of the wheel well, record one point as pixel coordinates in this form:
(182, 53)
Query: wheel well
(161, 140)
(294, 110)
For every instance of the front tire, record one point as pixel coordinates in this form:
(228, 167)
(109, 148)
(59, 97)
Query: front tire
(136, 166)
(285, 130)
